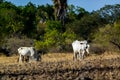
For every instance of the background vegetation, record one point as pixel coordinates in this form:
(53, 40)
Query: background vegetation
(52, 29)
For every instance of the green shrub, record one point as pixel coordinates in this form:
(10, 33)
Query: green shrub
(40, 46)
(109, 36)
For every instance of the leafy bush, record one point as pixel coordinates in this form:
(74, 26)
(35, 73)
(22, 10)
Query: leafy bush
(14, 43)
(40, 46)
(109, 36)
(69, 36)
(55, 40)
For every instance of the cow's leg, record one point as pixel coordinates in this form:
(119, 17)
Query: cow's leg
(27, 58)
(20, 58)
(79, 55)
(83, 52)
(37, 57)
(87, 50)
(74, 56)
(23, 58)
(30, 59)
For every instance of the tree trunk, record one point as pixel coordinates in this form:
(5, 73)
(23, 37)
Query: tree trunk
(60, 10)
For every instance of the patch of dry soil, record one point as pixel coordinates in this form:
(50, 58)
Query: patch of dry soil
(89, 69)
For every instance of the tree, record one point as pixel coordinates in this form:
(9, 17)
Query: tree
(28, 15)
(1, 1)
(86, 26)
(60, 7)
(45, 12)
(10, 21)
(115, 34)
(110, 12)
(71, 15)
(81, 12)
(109, 35)
(52, 37)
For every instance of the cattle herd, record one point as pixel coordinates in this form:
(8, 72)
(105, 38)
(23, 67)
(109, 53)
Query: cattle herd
(29, 53)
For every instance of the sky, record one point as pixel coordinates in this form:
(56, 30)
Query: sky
(88, 5)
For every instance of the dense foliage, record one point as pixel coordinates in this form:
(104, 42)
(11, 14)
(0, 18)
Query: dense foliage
(39, 24)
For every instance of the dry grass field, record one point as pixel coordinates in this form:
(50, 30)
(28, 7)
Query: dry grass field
(60, 66)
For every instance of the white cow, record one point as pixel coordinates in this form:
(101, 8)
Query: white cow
(79, 48)
(28, 51)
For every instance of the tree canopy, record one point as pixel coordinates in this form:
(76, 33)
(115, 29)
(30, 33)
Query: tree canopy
(54, 27)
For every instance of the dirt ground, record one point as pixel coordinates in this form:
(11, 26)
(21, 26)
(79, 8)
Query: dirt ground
(60, 66)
